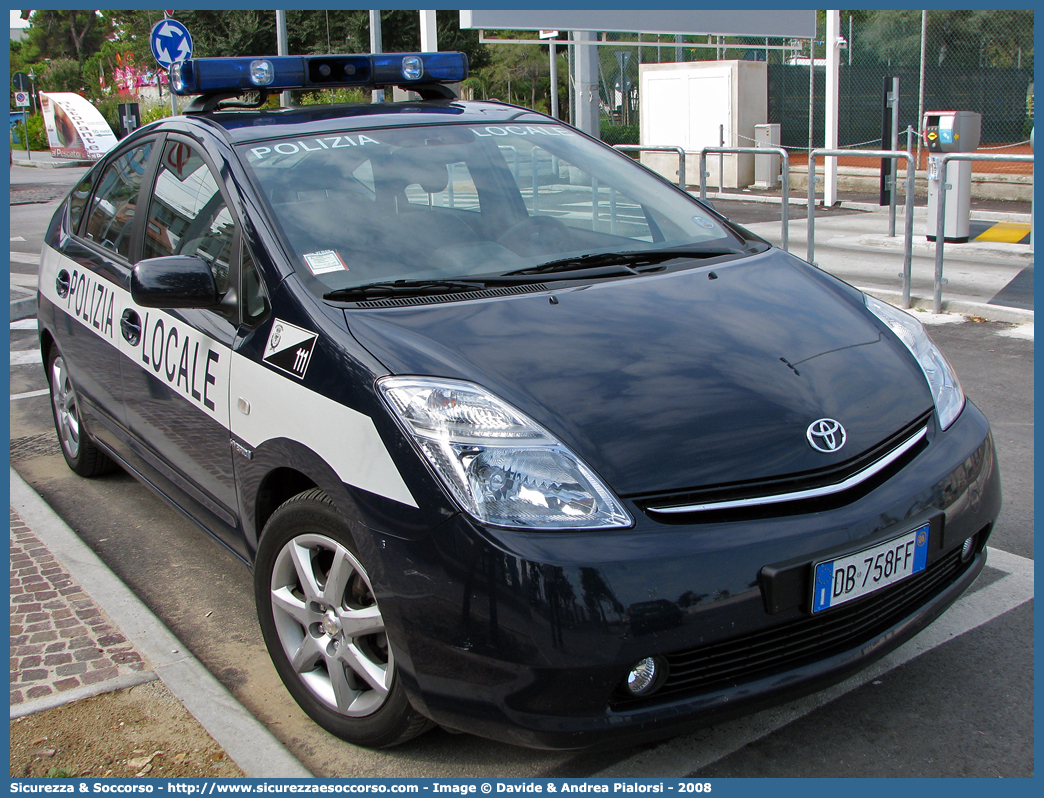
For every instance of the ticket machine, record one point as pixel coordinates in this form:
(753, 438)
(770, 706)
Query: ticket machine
(950, 131)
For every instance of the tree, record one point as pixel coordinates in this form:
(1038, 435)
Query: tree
(68, 34)
(955, 38)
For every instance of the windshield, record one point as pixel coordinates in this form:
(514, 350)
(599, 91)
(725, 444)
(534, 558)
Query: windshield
(451, 202)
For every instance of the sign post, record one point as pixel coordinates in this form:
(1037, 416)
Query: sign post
(20, 80)
(170, 42)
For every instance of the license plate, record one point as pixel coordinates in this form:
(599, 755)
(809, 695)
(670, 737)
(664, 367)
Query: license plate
(855, 575)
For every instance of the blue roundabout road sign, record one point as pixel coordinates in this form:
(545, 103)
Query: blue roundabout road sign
(170, 41)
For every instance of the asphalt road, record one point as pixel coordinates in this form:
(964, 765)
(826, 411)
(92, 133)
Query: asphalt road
(957, 701)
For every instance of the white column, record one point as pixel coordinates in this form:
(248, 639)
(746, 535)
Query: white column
(831, 102)
(282, 49)
(429, 32)
(376, 46)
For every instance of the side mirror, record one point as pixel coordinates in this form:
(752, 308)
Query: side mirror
(174, 281)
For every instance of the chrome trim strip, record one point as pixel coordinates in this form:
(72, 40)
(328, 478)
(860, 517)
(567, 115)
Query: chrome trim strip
(812, 493)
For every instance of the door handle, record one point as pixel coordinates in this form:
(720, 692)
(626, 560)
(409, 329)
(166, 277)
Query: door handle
(62, 283)
(130, 326)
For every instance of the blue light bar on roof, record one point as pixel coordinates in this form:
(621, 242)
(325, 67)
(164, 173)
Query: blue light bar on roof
(278, 73)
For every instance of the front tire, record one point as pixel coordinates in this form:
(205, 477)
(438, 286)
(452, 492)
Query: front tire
(324, 629)
(80, 452)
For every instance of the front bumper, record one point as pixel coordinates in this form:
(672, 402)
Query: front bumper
(526, 637)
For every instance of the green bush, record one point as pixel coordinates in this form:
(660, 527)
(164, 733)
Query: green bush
(37, 134)
(332, 96)
(619, 134)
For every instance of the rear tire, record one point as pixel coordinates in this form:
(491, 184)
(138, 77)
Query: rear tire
(324, 629)
(80, 452)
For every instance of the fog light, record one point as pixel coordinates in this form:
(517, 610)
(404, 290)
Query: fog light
(644, 677)
(968, 548)
(262, 72)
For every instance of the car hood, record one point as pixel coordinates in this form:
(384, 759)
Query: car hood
(674, 381)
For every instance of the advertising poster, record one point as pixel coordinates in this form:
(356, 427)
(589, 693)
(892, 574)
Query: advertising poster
(75, 128)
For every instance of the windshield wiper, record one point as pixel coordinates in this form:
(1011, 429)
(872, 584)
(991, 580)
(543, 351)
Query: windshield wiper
(625, 260)
(403, 288)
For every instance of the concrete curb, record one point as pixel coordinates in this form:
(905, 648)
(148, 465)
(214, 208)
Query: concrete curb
(920, 211)
(60, 699)
(249, 744)
(23, 308)
(979, 310)
(51, 164)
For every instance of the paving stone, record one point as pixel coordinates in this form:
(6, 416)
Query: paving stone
(60, 639)
(85, 654)
(94, 677)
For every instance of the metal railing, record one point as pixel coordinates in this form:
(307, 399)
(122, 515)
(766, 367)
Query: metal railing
(940, 219)
(653, 148)
(784, 179)
(908, 242)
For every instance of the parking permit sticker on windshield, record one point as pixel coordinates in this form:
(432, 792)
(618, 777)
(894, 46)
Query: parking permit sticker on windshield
(325, 262)
(703, 222)
(289, 348)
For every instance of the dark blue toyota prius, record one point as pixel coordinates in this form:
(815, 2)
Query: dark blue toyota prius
(518, 438)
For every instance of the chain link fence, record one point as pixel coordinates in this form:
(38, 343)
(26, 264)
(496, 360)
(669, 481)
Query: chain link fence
(973, 60)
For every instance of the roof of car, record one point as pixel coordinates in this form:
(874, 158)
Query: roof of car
(247, 125)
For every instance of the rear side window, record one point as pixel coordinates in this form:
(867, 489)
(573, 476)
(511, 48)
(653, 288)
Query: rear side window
(188, 214)
(112, 209)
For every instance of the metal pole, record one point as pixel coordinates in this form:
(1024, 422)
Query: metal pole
(721, 160)
(894, 101)
(810, 247)
(920, 91)
(785, 176)
(572, 83)
(811, 89)
(282, 48)
(25, 127)
(908, 232)
(703, 175)
(784, 155)
(940, 236)
(376, 46)
(661, 148)
(173, 96)
(553, 50)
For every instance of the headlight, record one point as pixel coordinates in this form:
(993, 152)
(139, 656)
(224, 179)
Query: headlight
(946, 388)
(503, 467)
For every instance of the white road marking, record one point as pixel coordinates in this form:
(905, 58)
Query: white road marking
(17, 238)
(25, 280)
(29, 394)
(25, 257)
(24, 324)
(1024, 331)
(680, 756)
(25, 357)
(937, 318)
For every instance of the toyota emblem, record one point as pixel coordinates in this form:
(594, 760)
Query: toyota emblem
(826, 435)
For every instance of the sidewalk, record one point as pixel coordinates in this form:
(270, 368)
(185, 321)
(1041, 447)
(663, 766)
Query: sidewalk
(77, 631)
(44, 160)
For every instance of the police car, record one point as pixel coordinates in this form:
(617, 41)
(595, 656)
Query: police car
(518, 438)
